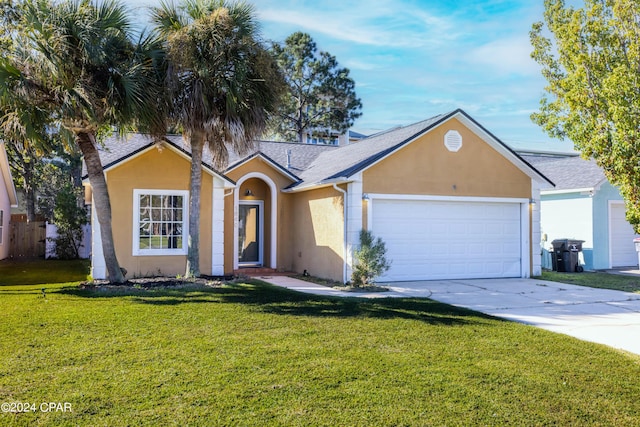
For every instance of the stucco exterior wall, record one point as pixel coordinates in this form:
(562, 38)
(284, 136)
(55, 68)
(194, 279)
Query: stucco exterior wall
(155, 170)
(426, 167)
(317, 244)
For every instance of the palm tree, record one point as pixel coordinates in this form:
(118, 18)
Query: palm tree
(78, 61)
(223, 85)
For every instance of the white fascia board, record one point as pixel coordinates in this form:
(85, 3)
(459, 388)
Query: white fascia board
(315, 186)
(567, 191)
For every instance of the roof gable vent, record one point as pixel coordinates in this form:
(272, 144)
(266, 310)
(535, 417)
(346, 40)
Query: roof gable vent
(453, 141)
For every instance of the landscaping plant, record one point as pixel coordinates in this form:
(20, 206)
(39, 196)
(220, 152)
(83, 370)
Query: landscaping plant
(371, 260)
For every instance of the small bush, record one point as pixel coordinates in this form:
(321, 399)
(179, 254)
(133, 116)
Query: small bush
(69, 217)
(371, 260)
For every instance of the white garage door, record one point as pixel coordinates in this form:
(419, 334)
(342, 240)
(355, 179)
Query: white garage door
(623, 251)
(433, 240)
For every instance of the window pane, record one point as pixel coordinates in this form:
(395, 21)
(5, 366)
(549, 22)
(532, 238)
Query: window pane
(145, 201)
(144, 242)
(160, 221)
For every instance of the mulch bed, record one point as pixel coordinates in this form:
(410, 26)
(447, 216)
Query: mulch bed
(158, 283)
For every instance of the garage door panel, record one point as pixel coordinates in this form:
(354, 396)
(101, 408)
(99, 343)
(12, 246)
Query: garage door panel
(623, 252)
(448, 240)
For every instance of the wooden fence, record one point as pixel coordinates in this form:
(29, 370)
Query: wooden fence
(27, 239)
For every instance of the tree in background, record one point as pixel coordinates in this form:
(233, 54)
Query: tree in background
(592, 66)
(321, 96)
(222, 85)
(77, 64)
(26, 166)
(54, 174)
(69, 217)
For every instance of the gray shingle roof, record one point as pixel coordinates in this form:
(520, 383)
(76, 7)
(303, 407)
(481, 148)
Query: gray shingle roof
(302, 155)
(310, 164)
(567, 172)
(116, 149)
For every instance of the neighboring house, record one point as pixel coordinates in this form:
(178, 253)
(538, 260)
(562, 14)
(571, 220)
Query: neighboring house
(449, 199)
(584, 206)
(333, 138)
(8, 199)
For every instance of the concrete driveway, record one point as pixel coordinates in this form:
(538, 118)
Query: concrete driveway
(598, 315)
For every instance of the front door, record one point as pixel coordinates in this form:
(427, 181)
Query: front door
(250, 233)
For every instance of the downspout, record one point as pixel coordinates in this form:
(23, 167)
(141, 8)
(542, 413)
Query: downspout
(344, 237)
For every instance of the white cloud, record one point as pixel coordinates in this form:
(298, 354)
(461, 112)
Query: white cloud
(506, 56)
(374, 25)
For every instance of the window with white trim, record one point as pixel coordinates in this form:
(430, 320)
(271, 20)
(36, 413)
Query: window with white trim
(160, 224)
(1, 224)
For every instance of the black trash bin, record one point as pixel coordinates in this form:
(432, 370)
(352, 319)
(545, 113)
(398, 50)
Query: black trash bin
(565, 257)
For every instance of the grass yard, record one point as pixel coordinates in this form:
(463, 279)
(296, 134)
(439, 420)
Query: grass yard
(250, 354)
(35, 272)
(616, 282)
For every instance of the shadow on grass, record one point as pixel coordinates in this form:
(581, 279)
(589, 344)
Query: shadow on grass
(272, 299)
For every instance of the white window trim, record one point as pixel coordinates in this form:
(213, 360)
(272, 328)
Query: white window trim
(136, 223)
(1, 227)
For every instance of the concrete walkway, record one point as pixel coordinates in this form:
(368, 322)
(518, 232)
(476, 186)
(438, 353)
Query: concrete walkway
(597, 315)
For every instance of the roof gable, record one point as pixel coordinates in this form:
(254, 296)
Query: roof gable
(7, 178)
(347, 161)
(115, 151)
(273, 164)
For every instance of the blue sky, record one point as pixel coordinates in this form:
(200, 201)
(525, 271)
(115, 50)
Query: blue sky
(415, 59)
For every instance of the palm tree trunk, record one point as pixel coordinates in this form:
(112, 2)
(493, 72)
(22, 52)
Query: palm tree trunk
(193, 254)
(102, 205)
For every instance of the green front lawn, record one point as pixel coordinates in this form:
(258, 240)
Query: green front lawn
(252, 354)
(617, 282)
(34, 272)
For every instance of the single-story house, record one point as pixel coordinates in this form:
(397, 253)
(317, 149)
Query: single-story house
(584, 206)
(449, 199)
(8, 199)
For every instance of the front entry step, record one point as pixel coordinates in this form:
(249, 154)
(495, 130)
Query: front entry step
(259, 271)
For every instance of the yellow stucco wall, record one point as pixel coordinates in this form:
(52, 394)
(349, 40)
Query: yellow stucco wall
(426, 167)
(317, 245)
(155, 170)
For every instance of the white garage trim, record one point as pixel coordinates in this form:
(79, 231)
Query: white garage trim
(520, 205)
(446, 198)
